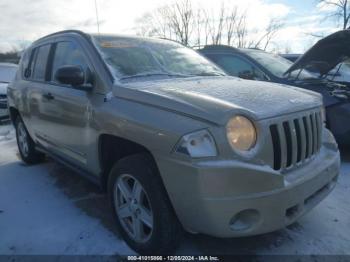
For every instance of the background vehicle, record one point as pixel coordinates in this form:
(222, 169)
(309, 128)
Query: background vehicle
(340, 73)
(291, 57)
(7, 73)
(176, 142)
(258, 65)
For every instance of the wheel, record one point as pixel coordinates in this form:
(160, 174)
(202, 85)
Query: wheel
(26, 145)
(143, 212)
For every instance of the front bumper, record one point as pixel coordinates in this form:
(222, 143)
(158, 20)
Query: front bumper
(229, 198)
(3, 107)
(4, 114)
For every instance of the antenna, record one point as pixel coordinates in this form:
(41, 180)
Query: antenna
(97, 20)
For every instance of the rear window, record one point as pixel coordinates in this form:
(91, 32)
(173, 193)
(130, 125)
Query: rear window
(42, 54)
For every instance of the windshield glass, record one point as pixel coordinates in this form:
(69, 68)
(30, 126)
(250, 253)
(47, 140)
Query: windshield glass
(134, 57)
(7, 73)
(277, 65)
(342, 68)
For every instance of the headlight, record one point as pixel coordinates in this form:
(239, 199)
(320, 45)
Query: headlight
(241, 133)
(197, 144)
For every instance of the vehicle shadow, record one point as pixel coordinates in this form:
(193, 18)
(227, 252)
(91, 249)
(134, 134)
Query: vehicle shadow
(84, 194)
(89, 198)
(254, 245)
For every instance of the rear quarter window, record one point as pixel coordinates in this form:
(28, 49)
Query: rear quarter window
(24, 63)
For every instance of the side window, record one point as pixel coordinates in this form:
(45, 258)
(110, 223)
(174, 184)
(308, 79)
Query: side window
(42, 54)
(28, 67)
(24, 63)
(237, 66)
(67, 53)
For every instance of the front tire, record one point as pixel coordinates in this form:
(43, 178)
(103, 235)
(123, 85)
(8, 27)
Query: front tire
(26, 146)
(143, 212)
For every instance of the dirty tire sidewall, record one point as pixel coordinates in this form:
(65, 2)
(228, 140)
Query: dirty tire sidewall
(167, 231)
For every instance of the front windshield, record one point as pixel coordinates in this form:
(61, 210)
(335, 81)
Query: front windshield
(278, 65)
(340, 69)
(133, 57)
(7, 73)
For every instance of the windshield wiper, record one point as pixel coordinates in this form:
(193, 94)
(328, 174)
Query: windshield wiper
(153, 74)
(209, 74)
(4, 82)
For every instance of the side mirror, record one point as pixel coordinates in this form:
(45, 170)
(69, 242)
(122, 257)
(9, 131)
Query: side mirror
(72, 75)
(246, 75)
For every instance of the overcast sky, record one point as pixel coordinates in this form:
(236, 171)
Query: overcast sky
(22, 21)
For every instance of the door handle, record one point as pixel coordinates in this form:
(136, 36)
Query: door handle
(48, 96)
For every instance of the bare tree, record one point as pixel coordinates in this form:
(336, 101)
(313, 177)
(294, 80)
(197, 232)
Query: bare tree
(143, 25)
(155, 24)
(230, 23)
(198, 24)
(181, 20)
(340, 10)
(241, 31)
(192, 27)
(217, 25)
(271, 30)
(206, 26)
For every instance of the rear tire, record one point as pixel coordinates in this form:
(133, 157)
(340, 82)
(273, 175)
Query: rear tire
(26, 146)
(143, 213)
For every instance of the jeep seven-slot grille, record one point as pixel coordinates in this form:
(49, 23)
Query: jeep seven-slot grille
(296, 140)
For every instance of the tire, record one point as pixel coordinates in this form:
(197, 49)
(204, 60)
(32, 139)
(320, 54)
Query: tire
(164, 232)
(26, 145)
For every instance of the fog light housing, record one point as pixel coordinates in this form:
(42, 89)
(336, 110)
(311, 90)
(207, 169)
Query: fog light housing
(245, 220)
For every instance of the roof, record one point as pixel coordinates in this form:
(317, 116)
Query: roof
(220, 47)
(88, 35)
(62, 33)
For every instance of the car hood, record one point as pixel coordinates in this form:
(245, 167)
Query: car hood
(216, 98)
(3, 88)
(326, 53)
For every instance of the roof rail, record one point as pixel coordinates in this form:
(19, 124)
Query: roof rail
(64, 32)
(255, 48)
(172, 40)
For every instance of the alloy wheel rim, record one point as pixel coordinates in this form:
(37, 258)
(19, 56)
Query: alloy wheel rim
(133, 208)
(23, 140)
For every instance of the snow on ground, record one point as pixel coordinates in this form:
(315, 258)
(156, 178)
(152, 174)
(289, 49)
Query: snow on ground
(48, 209)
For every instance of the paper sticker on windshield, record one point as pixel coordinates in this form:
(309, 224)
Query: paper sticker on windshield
(116, 44)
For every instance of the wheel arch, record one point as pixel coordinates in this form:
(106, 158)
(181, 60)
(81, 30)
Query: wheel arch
(112, 148)
(14, 113)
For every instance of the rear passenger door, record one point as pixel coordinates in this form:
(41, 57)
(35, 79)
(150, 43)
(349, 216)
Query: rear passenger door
(35, 75)
(67, 110)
